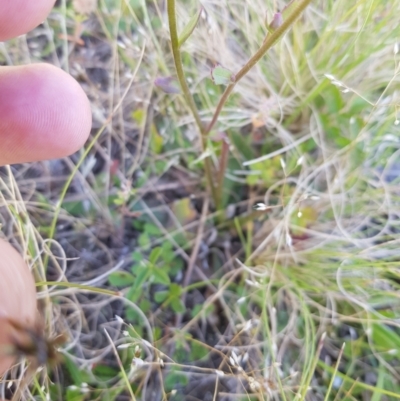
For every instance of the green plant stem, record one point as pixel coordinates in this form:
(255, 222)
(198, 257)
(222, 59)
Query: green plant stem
(79, 287)
(187, 94)
(339, 358)
(271, 39)
(223, 162)
(179, 66)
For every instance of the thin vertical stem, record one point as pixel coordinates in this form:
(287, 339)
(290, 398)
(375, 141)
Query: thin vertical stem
(179, 66)
(187, 94)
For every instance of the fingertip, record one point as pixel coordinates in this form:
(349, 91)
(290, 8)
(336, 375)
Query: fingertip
(20, 16)
(44, 114)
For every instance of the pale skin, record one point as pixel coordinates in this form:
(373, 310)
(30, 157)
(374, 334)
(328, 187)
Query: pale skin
(44, 113)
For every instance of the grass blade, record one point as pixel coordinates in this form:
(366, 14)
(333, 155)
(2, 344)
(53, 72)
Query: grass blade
(189, 28)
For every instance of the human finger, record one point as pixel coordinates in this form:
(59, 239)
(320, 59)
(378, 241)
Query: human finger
(44, 114)
(20, 16)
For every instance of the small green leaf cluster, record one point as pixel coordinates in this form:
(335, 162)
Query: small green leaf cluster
(150, 278)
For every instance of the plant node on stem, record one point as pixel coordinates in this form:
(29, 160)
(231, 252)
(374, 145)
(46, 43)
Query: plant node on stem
(269, 41)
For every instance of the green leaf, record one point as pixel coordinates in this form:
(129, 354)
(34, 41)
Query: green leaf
(121, 279)
(74, 394)
(200, 309)
(242, 145)
(78, 376)
(196, 310)
(160, 276)
(145, 305)
(177, 266)
(137, 268)
(168, 254)
(151, 229)
(161, 296)
(175, 290)
(177, 305)
(137, 289)
(189, 28)
(385, 338)
(156, 141)
(167, 246)
(104, 372)
(221, 75)
(184, 210)
(157, 333)
(137, 256)
(199, 350)
(144, 240)
(155, 254)
(138, 225)
(76, 208)
(141, 277)
(138, 115)
(175, 380)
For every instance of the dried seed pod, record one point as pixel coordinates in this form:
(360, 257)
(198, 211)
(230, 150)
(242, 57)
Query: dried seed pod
(32, 343)
(17, 299)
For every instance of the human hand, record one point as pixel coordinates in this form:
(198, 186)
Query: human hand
(44, 114)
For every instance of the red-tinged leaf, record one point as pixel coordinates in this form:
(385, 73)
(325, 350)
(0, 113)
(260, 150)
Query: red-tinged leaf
(189, 27)
(114, 167)
(219, 136)
(276, 22)
(221, 75)
(167, 84)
